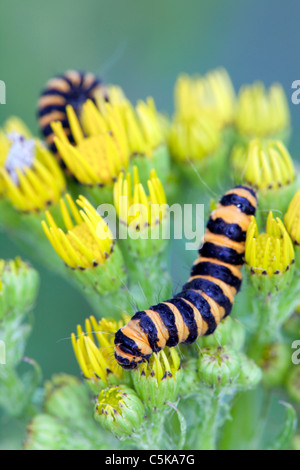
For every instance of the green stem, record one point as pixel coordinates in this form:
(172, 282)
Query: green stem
(209, 428)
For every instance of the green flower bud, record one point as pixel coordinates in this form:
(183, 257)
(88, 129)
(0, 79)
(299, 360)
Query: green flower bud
(18, 288)
(67, 398)
(119, 410)
(250, 374)
(218, 367)
(45, 433)
(189, 380)
(274, 362)
(157, 381)
(293, 383)
(230, 332)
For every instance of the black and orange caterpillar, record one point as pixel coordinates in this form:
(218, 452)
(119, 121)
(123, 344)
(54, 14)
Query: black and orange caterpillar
(208, 295)
(73, 88)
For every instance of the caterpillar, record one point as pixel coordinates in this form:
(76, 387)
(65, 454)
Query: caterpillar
(73, 88)
(208, 295)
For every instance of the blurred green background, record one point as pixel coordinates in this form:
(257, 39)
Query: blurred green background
(141, 46)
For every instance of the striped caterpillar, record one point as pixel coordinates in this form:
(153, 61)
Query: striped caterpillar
(73, 88)
(208, 295)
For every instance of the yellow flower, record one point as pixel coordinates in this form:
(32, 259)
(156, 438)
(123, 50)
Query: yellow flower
(29, 175)
(100, 152)
(87, 240)
(132, 203)
(194, 139)
(264, 165)
(142, 125)
(262, 112)
(94, 350)
(271, 252)
(212, 93)
(157, 381)
(292, 218)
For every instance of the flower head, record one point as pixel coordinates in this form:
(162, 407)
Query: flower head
(119, 410)
(195, 139)
(94, 351)
(218, 366)
(86, 241)
(262, 113)
(157, 381)
(29, 175)
(141, 124)
(212, 93)
(265, 165)
(271, 252)
(100, 151)
(132, 203)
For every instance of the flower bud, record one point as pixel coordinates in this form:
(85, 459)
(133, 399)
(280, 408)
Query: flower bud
(269, 256)
(198, 135)
(268, 167)
(230, 332)
(189, 380)
(218, 367)
(119, 410)
(262, 113)
(66, 397)
(18, 288)
(250, 374)
(275, 361)
(157, 381)
(45, 433)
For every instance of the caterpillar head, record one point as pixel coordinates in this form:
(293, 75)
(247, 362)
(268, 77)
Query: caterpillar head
(131, 347)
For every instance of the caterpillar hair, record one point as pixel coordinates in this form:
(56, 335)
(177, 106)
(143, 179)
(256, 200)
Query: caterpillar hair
(208, 295)
(73, 88)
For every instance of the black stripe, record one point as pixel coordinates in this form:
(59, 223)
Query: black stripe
(168, 319)
(212, 290)
(240, 202)
(202, 306)
(232, 231)
(222, 253)
(188, 317)
(126, 344)
(54, 92)
(149, 328)
(50, 108)
(206, 268)
(247, 188)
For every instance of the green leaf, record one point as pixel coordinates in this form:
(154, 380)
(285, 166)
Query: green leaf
(283, 440)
